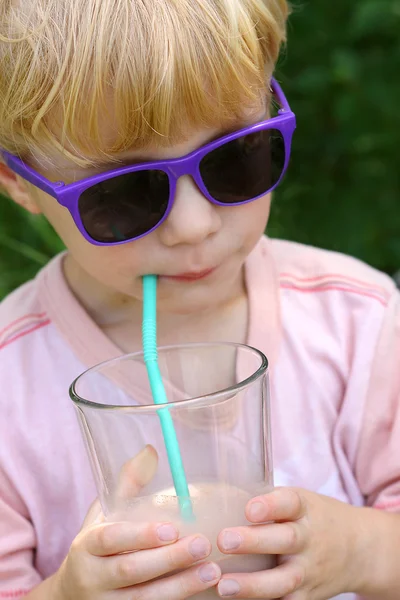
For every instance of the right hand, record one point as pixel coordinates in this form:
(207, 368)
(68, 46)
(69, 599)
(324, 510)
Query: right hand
(122, 560)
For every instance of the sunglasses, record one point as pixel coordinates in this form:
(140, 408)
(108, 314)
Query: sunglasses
(129, 202)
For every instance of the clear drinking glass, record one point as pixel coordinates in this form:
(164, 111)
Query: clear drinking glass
(218, 399)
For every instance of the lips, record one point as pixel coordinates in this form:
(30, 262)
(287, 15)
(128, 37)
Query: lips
(192, 276)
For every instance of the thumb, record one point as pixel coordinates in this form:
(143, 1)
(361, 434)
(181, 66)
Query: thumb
(136, 473)
(94, 515)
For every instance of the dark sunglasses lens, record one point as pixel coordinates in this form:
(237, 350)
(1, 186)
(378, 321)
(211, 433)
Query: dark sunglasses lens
(124, 207)
(244, 168)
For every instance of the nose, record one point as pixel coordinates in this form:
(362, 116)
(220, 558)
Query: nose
(192, 219)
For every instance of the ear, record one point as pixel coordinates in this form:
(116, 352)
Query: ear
(16, 188)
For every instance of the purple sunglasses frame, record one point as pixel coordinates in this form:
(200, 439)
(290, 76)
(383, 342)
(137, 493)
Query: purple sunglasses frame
(68, 194)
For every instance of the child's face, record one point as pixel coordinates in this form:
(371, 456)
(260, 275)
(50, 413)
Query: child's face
(197, 237)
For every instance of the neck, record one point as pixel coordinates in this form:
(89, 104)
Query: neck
(120, 316)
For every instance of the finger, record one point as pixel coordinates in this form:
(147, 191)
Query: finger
(275, 583)
(180, 586)
(94, 515)
(136, 473)
(137, 567)
(276, 538)
(109, 539)
(283, 504)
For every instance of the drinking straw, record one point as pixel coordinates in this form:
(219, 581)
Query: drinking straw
(149, 340)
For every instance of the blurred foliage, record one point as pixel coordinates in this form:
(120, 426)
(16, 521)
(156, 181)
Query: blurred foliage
(27, 242)
(340, 74)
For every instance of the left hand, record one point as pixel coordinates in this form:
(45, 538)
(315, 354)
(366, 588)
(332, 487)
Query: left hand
(314, 537)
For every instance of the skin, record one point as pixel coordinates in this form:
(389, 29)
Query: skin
(197, 235)
(324, 547)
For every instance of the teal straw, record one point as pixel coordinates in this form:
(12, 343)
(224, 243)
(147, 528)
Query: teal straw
(149, 339)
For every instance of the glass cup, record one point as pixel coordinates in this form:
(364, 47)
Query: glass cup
(218, 400)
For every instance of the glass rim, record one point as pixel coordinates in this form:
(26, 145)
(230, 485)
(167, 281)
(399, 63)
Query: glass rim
(217, 396)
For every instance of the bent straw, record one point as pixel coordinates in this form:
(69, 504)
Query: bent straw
(149, 340)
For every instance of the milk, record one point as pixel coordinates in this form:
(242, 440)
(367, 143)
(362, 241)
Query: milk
(216, 507)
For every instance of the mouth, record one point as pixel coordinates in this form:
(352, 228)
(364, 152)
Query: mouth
(188, 277)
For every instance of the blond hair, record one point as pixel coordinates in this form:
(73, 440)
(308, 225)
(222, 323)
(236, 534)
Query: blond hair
(153, 66)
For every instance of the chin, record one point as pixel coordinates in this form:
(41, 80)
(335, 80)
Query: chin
(199, 297)
(185, 307)
(186, 301)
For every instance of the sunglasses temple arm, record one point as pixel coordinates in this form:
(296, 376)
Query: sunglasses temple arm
(29, 174)
(277, 90)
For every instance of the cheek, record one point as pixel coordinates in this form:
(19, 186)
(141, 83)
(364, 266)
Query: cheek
(262, 208)
(251, 219)
(102, 262)
(58, 216)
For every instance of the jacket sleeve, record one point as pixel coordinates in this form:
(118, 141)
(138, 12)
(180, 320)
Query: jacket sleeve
(17, 544)
(378, 457)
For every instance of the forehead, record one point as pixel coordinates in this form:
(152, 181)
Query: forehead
(138, 79)
(59, 160)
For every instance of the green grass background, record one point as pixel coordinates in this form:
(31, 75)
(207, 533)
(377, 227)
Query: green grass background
(341, 75)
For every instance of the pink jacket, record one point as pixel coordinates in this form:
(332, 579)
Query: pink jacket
(330, 326)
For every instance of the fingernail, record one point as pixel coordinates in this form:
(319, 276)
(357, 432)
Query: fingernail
(231, 540)
(209, 572)
(167, 533)
(228, 587)
(199, 548)
(256, 511)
